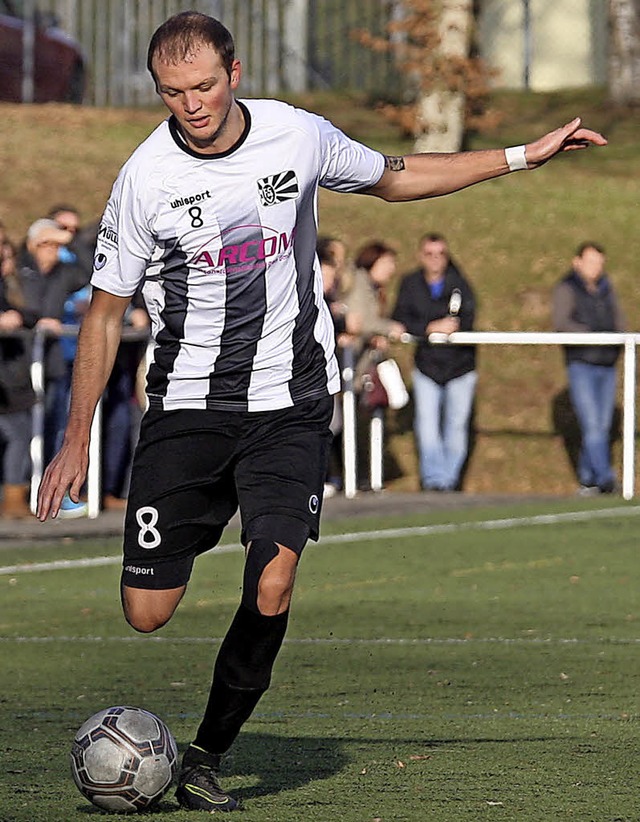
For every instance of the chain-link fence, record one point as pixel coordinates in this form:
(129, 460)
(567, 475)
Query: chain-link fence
(284, 45)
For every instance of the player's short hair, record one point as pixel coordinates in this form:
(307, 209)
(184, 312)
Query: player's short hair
(371, 253)
(179, 36)
(586, 245)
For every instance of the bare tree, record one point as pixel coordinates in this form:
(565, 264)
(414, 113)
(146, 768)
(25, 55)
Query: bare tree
(431, 43)
(624, 51)
(441, 109)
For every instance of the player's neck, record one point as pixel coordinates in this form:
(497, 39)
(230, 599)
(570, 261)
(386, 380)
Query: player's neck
(226, 136)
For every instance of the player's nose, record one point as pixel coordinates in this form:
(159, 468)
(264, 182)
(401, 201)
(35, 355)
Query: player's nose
(191, 103)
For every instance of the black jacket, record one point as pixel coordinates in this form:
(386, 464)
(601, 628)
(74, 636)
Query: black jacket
(45, 296)
(415, 308)
(16, 393)
(579, 310)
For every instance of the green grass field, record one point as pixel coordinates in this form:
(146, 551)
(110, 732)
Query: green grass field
(468, 665)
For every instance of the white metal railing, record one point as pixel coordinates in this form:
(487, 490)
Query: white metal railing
(94, 473)
(628, 342)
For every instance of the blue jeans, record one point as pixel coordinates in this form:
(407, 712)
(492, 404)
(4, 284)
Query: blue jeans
(593, 396)
(441, 423)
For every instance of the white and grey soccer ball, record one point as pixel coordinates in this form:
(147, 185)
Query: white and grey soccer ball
(124, 759)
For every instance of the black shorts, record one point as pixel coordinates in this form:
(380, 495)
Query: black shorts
(192, 470)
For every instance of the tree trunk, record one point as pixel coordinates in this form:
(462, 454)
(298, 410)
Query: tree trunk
(441, 111)
(624, 51)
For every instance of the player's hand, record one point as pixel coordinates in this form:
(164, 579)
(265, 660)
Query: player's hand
(566, 138)
(66, 472)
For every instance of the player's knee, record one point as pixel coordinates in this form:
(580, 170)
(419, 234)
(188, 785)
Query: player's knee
(275, 588)
(269, 575)
(146, 611)
(145, 623)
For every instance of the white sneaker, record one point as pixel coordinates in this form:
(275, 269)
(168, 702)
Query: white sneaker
(329, 491)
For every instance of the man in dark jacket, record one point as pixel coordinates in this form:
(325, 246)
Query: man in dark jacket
(584, 300)
(437, 299)
(46, 282)
(16, 401)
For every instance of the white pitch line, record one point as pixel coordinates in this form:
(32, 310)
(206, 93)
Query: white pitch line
(329, 641)
(358, 536)
(90, 562)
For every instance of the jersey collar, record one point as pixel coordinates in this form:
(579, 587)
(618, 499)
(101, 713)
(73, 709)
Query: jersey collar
(180, 141)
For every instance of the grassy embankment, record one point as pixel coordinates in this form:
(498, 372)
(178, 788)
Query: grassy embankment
(514, 237)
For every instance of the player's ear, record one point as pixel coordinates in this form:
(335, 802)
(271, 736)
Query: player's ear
(235, 74)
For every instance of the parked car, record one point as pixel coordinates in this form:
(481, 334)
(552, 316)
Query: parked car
(59, 64)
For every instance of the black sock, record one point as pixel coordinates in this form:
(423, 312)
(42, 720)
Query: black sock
(241, 675)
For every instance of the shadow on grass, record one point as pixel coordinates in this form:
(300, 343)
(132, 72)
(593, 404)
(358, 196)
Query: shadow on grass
(284, 763)
(565, 423)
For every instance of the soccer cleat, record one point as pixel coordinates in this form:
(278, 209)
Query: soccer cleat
(198, 786)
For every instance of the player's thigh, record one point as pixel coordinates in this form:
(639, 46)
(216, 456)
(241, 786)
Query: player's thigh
(280, 474)
(181, 497)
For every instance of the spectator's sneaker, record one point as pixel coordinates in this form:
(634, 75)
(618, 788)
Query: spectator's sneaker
(588, 491)
(329, 490)
(608, 487)
(198, 786)
(72, 510)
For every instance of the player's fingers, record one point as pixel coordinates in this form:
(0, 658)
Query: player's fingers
(44, 498)
(56, 502)
(76, 486)
(50, 494)
(587, 137)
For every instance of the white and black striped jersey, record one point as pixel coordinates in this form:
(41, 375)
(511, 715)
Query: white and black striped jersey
(224, 246)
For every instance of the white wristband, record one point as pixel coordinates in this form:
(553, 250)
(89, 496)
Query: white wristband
(516, 158)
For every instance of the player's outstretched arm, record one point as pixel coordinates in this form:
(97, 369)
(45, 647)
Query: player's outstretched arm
(419, 176)
(97, 347)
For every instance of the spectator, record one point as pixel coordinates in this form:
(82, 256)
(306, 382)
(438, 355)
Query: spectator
(79, 251)
(368, 299)
(375, 266)
(346, 324)
(81, 246)
(118, 401)
(436, 298)
(16, 400)
(584, 301)
(46, 283)
(9, 274)
(335, 249)
(75, 307)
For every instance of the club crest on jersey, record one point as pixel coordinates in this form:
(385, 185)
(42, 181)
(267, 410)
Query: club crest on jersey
(278, 187)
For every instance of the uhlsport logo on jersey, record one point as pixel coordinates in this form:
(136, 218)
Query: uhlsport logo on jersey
(278, 187)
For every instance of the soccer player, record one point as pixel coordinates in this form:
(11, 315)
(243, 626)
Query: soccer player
(215, 214)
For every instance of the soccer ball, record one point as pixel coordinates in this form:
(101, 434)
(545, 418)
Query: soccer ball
(123, 759)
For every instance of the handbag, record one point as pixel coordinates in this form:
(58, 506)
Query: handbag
(383, 386)
(391, 379)
(373, 394)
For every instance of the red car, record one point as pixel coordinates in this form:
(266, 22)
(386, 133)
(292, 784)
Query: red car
(59, 65)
